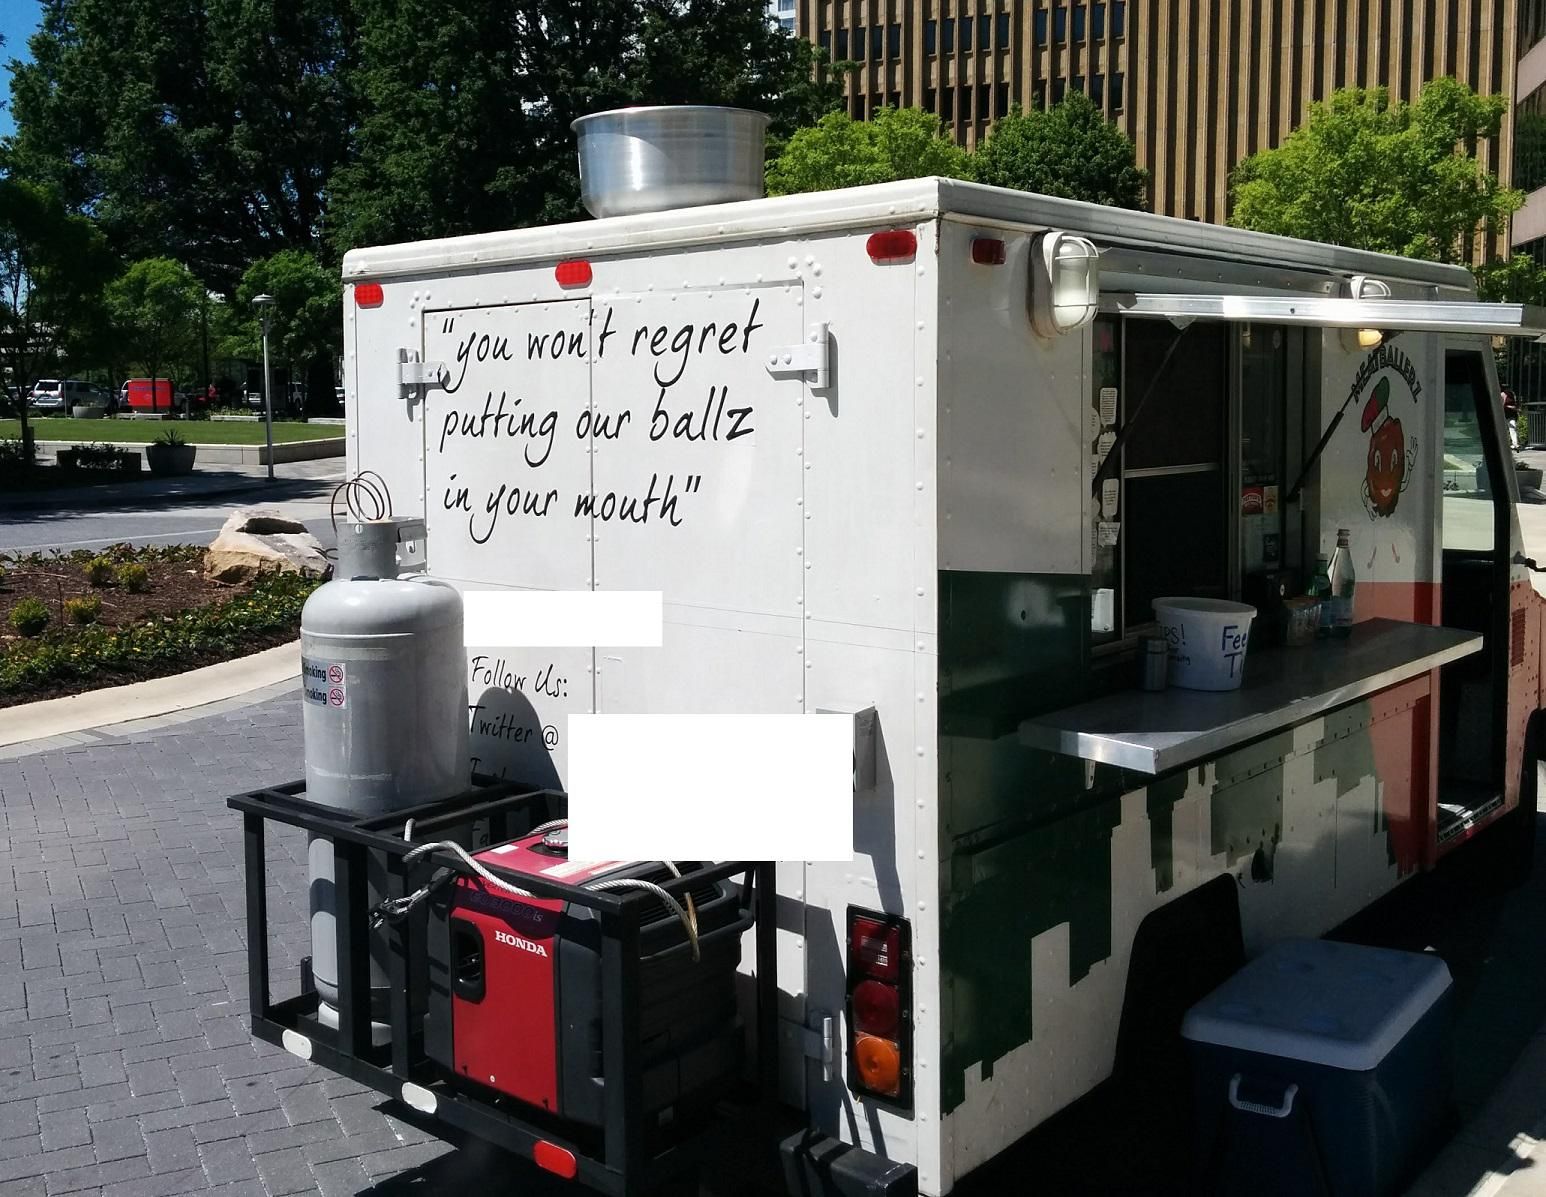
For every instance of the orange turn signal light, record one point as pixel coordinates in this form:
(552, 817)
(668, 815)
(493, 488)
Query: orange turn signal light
(879, 1064)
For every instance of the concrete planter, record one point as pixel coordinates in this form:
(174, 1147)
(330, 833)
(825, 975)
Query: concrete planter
(1529, 479)
(128, 462)
(82, 411)
(167, 460)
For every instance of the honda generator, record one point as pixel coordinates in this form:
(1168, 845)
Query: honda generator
(515, 984)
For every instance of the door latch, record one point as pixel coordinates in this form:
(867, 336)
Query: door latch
(811, 357)
(821, 1043)
(416, 377)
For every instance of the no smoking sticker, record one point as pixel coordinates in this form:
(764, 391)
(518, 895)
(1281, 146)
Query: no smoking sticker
(323, 682)
(335, 675)
(335, 696)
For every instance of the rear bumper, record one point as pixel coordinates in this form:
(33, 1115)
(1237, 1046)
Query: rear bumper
(815, 1165)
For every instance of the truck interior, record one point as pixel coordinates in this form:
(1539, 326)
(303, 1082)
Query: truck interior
(1199, 519)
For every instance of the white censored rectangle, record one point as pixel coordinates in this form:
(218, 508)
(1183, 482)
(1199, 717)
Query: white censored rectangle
(711, 787)
(561, 618)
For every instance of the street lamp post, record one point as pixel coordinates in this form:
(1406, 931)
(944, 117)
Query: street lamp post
(265, 304)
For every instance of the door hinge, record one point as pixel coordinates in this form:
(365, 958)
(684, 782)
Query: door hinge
(820, 1042)
(416, 377)
(811, 357)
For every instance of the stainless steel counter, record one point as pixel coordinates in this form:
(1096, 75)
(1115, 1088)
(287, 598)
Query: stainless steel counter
(1156, 732)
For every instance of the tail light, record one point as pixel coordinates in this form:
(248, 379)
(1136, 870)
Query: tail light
(880, 1006)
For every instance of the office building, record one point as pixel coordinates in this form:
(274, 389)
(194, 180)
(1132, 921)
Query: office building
(1197, 84)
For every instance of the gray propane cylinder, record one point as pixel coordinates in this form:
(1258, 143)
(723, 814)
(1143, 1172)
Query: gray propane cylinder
(384, 711)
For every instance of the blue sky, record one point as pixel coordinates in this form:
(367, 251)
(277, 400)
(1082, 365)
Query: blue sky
(18, 20)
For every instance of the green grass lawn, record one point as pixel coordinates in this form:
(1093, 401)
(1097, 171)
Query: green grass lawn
(195, 432)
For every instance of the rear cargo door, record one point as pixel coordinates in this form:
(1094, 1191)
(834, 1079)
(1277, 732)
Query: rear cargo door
(699, 494)
(506, 465)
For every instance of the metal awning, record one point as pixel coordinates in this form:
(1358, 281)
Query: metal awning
(1414, 315)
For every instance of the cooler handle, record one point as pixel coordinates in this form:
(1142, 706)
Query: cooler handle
(1253, 1107)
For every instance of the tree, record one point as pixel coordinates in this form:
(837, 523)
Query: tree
(838, 151)
(1375, 174)
(1518, 279)
(466, 108)
(53, 266)
(1070, 150)
(155, 306)
(306, 325)
(205, 130)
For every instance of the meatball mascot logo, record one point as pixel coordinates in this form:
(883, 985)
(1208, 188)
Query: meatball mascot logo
(1392, 455)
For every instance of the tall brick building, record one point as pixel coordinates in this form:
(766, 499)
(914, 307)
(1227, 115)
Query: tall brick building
(1197, 84)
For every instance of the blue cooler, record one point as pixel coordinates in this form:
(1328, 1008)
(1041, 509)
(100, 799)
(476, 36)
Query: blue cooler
(1320, 1067)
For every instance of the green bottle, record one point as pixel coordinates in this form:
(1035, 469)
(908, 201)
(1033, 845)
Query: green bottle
(1320, 588)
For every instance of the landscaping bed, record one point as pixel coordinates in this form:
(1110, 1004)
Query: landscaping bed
(127, 614)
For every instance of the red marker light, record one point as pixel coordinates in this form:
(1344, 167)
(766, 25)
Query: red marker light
(553, 1158)
(573, 273)
(367, 295)
(894, 245)
(987, 251)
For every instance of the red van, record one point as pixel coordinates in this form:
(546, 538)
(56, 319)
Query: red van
(138, 396)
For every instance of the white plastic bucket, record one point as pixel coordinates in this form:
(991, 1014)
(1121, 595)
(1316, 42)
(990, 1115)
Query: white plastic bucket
(1207, 639)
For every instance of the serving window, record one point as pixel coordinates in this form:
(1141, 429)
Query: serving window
(1178, 512)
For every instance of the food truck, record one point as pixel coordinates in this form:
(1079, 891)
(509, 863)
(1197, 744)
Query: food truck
(928, 451)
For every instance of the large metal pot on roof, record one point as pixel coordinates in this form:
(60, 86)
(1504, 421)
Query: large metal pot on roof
(636, 160)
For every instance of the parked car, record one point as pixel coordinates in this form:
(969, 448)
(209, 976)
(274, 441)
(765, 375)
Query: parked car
(59, 394)
(138, 396)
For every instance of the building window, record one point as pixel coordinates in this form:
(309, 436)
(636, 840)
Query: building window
(842, 43)
(928, 99)
(1097, 90)
(930, 37)
(1003, 30)
(824, 40)
(859, 45)
(966, 33)
(983, 98)
(1057, 92)
(894, 41)
(1039, 26)
(1116, 91)
(877, 40)
(1118, 18)
(1060, 24)
(947, 105)
(1078, 11)
(947, 30)
(895, 100)
(984, 31)
(1039, 95)
(1077, 84)
(1098, 20)
(858, 106)
(1532, 23)
(1001, 100)
(1530, 141)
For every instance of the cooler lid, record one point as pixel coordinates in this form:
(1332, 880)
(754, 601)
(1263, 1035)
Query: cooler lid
(1321, 1002)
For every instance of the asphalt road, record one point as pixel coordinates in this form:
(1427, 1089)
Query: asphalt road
(85, 521)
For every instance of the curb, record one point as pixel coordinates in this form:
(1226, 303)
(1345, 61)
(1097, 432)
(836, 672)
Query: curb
(144, 700)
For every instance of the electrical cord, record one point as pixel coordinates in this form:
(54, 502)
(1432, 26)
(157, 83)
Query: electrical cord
(395, 908)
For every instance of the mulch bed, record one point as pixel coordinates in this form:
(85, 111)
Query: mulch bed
(176, 585)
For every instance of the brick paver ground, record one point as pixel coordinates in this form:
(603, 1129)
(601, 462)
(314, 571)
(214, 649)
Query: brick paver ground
(126, 1066)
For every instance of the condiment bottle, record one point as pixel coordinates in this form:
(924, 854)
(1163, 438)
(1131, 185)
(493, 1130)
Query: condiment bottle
(1342, 585)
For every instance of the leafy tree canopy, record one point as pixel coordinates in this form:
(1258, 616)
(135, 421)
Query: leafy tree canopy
(155, 306)
(466, 108)
(202, 129)
(838, 151)
(52, 268)
(1069, 150)
(1518, 279)
(1368, 172)
(306, 321)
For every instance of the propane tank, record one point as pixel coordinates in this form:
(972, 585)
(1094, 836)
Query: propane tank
(384, 711)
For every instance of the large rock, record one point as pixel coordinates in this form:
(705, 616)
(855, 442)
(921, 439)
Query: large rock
(260, 540)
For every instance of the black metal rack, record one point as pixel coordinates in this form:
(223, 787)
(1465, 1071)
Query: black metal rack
(624, 1158)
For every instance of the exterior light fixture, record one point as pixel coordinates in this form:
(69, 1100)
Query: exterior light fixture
(1065, 283)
